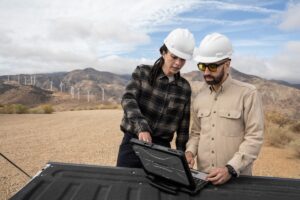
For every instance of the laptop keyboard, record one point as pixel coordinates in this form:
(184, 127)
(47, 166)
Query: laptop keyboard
(199, 182)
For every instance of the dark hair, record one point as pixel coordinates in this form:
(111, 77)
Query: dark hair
(157, 65)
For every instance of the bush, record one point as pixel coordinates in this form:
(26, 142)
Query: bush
(47, 108)
(20, 109)
(278, 118)
(13, 108)
(295, 127)
(7, 109)
(278, 137)
(37, 110)
(295, 145)
(109, 106)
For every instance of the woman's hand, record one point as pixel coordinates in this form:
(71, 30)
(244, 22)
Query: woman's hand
(145, 136)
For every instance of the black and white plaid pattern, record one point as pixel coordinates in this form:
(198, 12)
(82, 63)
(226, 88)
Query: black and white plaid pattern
(162, 109)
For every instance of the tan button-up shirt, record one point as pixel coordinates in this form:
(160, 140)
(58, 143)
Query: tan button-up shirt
(227, 126)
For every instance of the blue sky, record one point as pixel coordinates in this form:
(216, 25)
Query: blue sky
(38, 36)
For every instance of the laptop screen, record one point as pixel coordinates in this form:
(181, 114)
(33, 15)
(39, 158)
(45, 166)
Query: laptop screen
(162, 161)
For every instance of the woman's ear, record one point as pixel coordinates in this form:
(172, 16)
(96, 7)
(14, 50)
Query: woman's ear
(163, 54)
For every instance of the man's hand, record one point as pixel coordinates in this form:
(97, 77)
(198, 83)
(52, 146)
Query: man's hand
(218, 176)
(190, 158)
(145, 136)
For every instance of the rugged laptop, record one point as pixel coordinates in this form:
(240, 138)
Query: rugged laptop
(167, 168)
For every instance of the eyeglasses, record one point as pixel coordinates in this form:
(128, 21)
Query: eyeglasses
(213, 67)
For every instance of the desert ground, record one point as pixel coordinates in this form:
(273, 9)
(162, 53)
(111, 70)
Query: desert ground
(88, 137)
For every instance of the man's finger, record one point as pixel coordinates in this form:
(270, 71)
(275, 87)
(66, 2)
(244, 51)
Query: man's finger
(213, 173)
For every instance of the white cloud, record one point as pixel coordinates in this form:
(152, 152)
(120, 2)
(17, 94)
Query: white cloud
(250, 65)
(119, 65)
(283, 66)
(56, 34)
(39, 36)
(291, 18)
(113, 63)
(236, 7)
(253, 43)
(206, 21)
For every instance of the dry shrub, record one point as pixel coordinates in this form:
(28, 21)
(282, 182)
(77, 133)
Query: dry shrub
(109, 106)
(47, 108)
(278, 137)
(7, 109)
(278, 118)
(14, 108)
(42, 109)
(36, 110)
(21, 109)
(295, 145)
(295, 127)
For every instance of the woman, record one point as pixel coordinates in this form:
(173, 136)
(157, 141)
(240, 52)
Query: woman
(156, 101)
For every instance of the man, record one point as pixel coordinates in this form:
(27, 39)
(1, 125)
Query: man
(156, 101)
(227, 130)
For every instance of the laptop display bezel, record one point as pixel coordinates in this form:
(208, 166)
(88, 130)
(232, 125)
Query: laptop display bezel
(179, 154)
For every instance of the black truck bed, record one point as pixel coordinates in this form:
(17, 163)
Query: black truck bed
(60, 181)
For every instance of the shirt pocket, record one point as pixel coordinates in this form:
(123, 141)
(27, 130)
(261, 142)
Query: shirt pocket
(231, 123)
(204, 117)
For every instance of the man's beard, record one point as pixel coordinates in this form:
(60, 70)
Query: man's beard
(216, 80)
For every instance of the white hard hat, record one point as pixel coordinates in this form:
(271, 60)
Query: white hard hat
(181, 43)
(213, 48)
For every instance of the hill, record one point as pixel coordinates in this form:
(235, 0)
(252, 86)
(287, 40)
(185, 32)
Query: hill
(77, 85)
(276, 97)
(23, 94)
(92, 86)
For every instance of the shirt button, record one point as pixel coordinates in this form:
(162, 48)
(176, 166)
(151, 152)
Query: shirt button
(215, 111)
(212, 152)
(201, 114)
(212, 138)
(216, 99)
(228, 114)
(212, 165)
(213, 125)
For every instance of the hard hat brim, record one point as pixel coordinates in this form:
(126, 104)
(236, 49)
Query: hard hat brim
(178, 53)
(209, 59)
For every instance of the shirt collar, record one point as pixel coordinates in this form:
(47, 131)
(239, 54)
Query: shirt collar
(176, 81)
(227, 82)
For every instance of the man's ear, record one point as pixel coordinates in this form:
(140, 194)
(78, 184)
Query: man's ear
(228, 64)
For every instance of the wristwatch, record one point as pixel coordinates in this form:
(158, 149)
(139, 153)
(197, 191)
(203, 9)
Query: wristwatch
(231, 170)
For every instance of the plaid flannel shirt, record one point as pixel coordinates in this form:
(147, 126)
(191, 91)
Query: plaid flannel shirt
(161, 110)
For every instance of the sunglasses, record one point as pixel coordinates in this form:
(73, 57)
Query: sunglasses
(213, 67)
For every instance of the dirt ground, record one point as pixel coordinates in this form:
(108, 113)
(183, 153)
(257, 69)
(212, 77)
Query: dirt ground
(87, 137)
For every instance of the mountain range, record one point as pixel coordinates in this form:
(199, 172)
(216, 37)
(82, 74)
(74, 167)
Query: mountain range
(97, 86)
